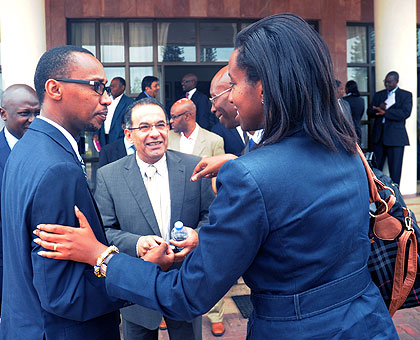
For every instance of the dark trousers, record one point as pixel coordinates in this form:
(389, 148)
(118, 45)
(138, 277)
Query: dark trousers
(395, 158)
(178, 330)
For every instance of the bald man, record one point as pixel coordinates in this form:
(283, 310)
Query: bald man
(18, 108)
(228, 127)
(187, 136)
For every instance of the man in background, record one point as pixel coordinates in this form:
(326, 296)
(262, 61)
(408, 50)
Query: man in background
(389, 110)
(111, 130)
(188, 136)
(204, 117)
(150, 87)
(18, 107)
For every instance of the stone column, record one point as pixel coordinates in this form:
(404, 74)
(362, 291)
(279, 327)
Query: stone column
(395, 44)
(23, 39)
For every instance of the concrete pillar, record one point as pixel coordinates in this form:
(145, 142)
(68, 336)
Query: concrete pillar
(395, 43)
(23, 39)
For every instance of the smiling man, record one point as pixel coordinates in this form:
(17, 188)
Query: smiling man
(140, 205)
(44, 180)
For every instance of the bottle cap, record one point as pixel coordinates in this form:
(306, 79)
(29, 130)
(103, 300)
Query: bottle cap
(178, 225)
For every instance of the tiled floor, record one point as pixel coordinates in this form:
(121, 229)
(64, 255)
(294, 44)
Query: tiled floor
(407, 321)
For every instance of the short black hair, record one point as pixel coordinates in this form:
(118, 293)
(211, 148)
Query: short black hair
(394, 74)
(295, 69)
(54, 63)
(127, 119)
(147, 82)
(121, 80)
(351, 87)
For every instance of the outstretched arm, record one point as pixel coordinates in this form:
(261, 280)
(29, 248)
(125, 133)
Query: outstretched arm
(209, 166)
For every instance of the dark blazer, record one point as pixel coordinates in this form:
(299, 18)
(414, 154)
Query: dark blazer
(128, 214)
(357, 107)
(141, 96)
(43, 298)
(112, 152)
(4, 154)
(281, 244)
(393, 132)
(204, 117)
(232, 141)
(115, 132)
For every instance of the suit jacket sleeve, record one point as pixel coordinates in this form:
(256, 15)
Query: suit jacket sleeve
(401, 110)
(103, 157)
(124, 240)
(67, 289)
(219, 148)
(207, 197)
(208, 272)
(376, 101)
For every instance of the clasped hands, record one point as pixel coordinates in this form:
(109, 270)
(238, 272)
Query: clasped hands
(380, 110)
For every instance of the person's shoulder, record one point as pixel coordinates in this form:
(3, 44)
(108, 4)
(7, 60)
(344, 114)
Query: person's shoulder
(211, 136)
(404, 92)
(173, 155)
(113, 145)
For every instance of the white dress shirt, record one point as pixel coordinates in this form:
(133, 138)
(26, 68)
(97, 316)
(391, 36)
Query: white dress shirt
(165, 196)
(190, 93)
(10, 139)
(186, 144)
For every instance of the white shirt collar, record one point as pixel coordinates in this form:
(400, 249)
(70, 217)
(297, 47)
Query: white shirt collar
(66, 134)
(160, 165)
(191, 92)
(10, 139)
(256, 137)
(193, 135)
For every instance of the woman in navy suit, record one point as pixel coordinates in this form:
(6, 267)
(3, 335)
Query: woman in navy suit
(357, 106)
(291, 216)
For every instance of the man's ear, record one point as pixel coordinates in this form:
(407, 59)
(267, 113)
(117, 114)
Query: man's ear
(127, 134)
(4, 114)
(53, 89)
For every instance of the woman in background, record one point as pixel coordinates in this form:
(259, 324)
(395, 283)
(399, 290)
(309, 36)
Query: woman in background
(357, 106)
(291, 217)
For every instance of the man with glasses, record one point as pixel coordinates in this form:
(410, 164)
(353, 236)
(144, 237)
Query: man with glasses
(389, 109)
(204, 117)
(141, 196)
(44, 180)
(18, 107)
(187, 136)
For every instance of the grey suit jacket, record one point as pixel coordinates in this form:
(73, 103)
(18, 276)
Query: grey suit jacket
(127, 213)
(207, 143)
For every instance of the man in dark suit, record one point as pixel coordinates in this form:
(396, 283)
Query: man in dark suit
(114, 151)
(134, 222)
(19, 106)
(389, 110)
(44, 179)
(228, 128)
(111, 130)
(204, 117)
(150, 87)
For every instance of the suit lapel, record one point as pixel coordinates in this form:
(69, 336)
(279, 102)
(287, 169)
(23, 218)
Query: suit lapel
(236, 135)
(200, 144)
(136, 185)
(176, 171)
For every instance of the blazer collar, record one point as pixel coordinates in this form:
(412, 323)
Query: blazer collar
(177, 179)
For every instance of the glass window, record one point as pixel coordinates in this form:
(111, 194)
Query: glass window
(360, 76)
(112, 42)
(176, 41)
(372, 45)
(356, 44)
(140, 41)
(83, 35)
(136, 76)
(112, 72)
(216, 41)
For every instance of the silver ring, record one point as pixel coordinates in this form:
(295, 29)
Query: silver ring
(55, 246)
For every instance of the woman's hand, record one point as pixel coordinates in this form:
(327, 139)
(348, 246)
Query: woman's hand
(209, 166)
(189, 244)
(69, 243)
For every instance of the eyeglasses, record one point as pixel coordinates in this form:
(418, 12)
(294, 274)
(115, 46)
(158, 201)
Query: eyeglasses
(28, 114)
(145, 128)
(181, 114)
(98, 87)
(218, 95)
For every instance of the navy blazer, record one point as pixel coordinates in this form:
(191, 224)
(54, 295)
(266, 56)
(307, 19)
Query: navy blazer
(281, 222)
(357, 108)
(43, 298)
(393, 132)
(204, 117)
(115, 132)
(4, 154)
(112, 152)
(141, 96)
(233, 143)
